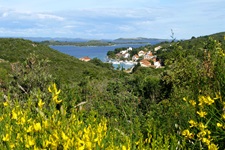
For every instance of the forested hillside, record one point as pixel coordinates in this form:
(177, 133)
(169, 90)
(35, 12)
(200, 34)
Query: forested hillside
(50, 100)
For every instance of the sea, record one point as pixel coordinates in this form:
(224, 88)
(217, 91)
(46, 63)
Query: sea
(99, 52)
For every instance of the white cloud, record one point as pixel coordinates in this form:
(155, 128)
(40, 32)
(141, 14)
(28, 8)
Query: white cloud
(115, 18)
(49, 16)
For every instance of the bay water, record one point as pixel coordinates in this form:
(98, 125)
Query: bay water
(99, 52)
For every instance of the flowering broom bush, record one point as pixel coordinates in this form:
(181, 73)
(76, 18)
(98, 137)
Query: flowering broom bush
(207, 130)
(39, 125)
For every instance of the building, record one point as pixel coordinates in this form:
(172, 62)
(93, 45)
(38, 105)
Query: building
(86, 58)
(135, 57)
(145, 63)
(141, 53)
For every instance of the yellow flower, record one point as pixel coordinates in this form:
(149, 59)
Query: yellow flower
(49, 89)
(223, 116)
(184, 99)
(37, 127)
(6, 104)
(6, 137)
(209, 100)
(218, 96)
(193, 123)
(187, 134)
(14, 114)
(201, 134)
(219, 125)
(55, 89)
(29, 142)
(29, 129)
(40, 103)
(124, 147)
(64, 137)
(56, 135)
(88, 145)
(201, 113)
(57, 101)
(212, 147)
(21, 121)
(45, 123)
(192, 102)
(12, 145)
(46, 143)
(206, 141)
(202, 126)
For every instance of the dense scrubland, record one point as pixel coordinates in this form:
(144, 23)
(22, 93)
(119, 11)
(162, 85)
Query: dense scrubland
(50, 100)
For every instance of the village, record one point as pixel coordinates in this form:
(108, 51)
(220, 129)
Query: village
(146, 58)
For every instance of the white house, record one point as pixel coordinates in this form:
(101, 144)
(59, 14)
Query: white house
(127, 55)
(157, 48)
(129, 49)
(156, 63)
(135, 57)
(123, 52)
(141, 53)
(149, 55)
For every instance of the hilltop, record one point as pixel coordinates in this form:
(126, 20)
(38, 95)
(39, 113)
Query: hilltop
(61, 66)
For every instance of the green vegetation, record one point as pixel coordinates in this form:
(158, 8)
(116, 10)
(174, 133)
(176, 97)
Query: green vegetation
(180, 106)
(88, 43)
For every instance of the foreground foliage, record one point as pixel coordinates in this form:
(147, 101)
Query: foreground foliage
(101, 108)
(35, 125)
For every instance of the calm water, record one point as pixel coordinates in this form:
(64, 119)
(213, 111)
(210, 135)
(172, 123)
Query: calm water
(99, 52)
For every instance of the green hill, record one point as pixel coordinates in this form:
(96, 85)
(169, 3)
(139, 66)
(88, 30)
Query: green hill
(61, 66)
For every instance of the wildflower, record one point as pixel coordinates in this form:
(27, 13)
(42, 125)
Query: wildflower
(29, 142)
(23, 120)
(49, 89)
(212, 147)
(6, 137)
(88, 145)
(192, 102)
(64, 137)
(206, 141)
(218, 96)
(184, 99)
(209, 100)
(6, 104)
(1, 118)
(201, 134)
(193, 123)
(219, 125)
(29, 129)
(201, 100)
(46, 143)
(201, 113)
(202, 126)
(56, 135)
(223, 116)
(37, 127)
(45, 123)
(56, 100)
(14, 114)
(124, 147)
(187, 134)
(40, 103)
(12, 145)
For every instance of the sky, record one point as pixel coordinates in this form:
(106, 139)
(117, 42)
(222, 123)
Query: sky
(111, 19)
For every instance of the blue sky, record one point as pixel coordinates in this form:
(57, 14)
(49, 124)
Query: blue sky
(101, 19)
